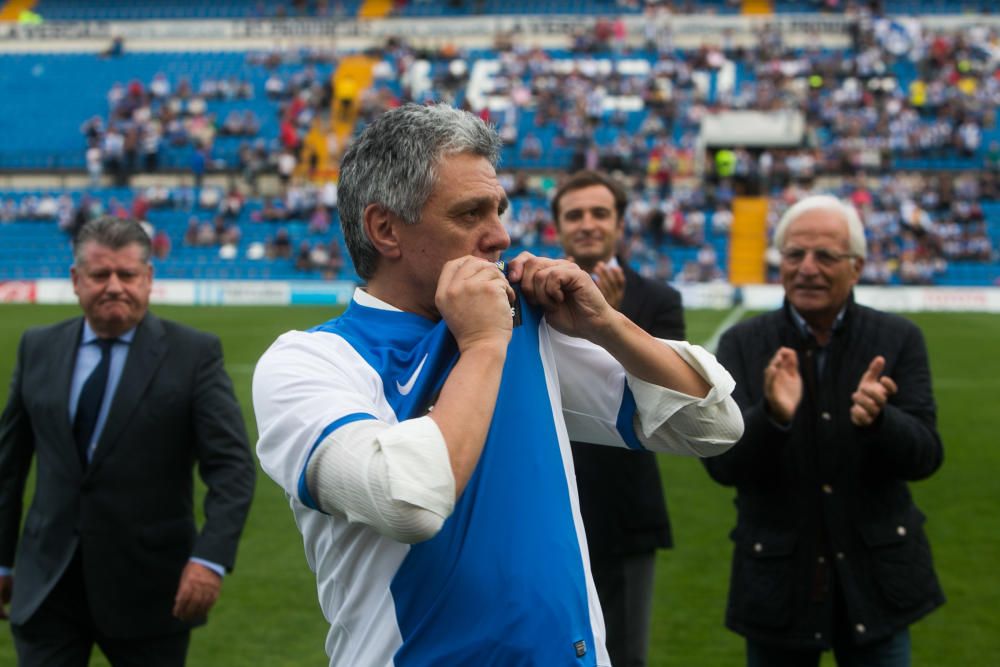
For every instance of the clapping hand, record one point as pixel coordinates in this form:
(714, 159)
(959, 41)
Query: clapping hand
(783, 384)
(611, 281)
(872, 394)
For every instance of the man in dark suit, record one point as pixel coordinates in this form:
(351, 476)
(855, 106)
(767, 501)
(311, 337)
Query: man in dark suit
(621, 496)
(829, 548)
(117, 407)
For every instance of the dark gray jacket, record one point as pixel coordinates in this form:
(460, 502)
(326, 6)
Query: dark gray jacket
(823, 507)
(130, 512)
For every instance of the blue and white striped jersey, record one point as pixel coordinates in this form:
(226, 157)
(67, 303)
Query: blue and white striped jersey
(506, 580)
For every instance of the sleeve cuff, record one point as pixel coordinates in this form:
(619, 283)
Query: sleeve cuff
(656, 404)
(214, 567)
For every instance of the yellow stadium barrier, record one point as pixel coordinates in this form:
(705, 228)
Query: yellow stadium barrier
(748, 241)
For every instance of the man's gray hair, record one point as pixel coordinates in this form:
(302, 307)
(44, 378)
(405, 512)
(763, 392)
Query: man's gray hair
(113, 233)
(847, 213)
(394, 164)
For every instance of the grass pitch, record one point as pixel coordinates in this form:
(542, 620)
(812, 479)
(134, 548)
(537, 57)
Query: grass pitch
(268, 613)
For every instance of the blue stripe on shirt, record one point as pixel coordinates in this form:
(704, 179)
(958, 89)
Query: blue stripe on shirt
(503, 582)
(304, 496)
(626, 422)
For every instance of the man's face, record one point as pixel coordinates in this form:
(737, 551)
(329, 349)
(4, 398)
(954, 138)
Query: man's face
(589, 227)
(818, 281)
(461, 217)
(112, 286)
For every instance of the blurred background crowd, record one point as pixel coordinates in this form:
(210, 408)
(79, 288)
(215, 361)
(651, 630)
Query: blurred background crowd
(230, 154)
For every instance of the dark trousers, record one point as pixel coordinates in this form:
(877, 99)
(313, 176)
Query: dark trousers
(894, 651)
(625, 587)
(62, 633)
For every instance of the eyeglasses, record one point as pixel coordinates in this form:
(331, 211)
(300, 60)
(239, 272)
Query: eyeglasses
(823, 256)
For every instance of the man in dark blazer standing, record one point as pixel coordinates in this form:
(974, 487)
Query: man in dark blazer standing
(117, 407)
(621, 496)
(829, 548)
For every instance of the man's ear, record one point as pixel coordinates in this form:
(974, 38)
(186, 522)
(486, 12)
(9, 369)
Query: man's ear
(380, 227)
(859, 264)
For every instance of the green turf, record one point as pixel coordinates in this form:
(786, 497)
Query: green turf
(268, 614)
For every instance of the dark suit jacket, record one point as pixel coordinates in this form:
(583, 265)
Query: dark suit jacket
(621, 496)
(130, 512)
(825, 501)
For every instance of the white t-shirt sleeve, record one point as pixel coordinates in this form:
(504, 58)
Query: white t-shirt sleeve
(671, 421)
(323, 421)
(395, 478)
(603, 404)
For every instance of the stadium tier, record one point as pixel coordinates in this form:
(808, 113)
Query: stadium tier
(898, 116)
(125, 10)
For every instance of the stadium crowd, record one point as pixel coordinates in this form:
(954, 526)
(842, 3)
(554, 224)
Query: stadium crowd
(883, 119)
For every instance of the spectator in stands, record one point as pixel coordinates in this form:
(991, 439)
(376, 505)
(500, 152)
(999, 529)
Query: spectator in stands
(286, 168)
(232, 204)
(113, 151)
(174, 132)
(149, 148)
(319, 221)
(273, 210)
(531, 147)
(8, 210)
(161, 244)
(92, 130)
(303, 257)
(690, 273)
(252, 161)
(219, 226)
(205, 234)
(199, 163)
(191, 232)
(328, 197)
(621, 495)
(300, 198)
(274, 86)
(87, 209)
(210, 199)
(227, 232)
(94, 160)
(664, 270)
(159, 87)
(232, 126)
(722, 220)
(830, 549)
(335, 260)
(250, 122)
(708, 264)
(131, 152)
(140, 207)
(280, 245)
(116, 49)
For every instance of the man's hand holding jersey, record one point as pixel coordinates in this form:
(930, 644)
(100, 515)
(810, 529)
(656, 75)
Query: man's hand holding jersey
(574, 305)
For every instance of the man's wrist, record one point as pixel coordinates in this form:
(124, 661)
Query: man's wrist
(214, 567)
(612, 334)
(781, 422)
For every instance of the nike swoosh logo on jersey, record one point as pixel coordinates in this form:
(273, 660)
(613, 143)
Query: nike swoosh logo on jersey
(405, 389)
